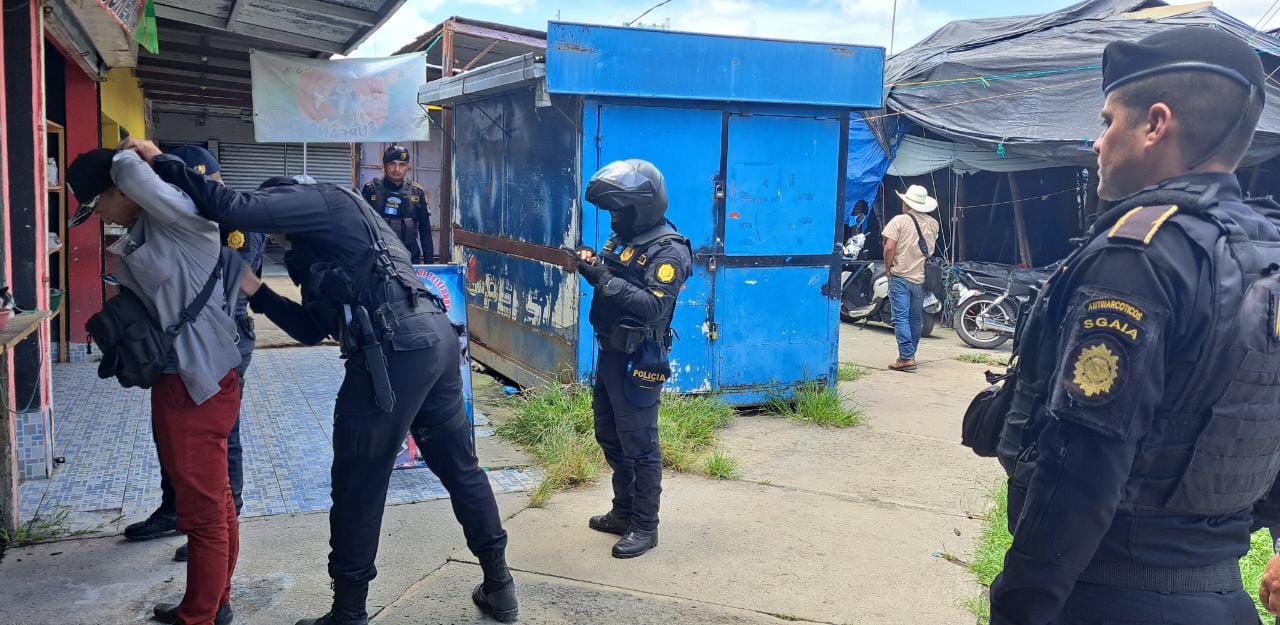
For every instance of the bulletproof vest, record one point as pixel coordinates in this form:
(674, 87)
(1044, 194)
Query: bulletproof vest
(1213, 446)
(1223, 427)
(629, 260)
(377, 273)
(398, 207)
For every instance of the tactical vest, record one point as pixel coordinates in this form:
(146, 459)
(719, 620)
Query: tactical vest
(399, 207)
(629, 260)
(1213, 446)
(381, 273)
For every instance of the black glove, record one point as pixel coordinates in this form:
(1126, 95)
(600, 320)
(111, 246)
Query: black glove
(595, 273)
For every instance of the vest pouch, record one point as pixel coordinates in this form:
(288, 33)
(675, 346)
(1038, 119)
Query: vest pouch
(1237, 454)
(626, 335)
(647, 370)
(984, 419)
(332, 282)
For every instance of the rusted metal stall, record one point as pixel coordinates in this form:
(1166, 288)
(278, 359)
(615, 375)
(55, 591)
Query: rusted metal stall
(751, 136)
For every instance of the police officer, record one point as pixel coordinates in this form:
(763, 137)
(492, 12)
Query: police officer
(637, 278)
(1144, 424)
(250, 247)
(402, 372)
(403, 204)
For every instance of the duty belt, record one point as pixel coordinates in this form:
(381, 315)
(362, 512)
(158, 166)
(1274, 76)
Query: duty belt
(1221, 577)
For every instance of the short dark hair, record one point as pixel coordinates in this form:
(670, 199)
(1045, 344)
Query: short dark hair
(1209, 107)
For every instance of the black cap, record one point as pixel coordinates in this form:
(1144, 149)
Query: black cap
(395, 153)
(87, 177)
(1188, 48)
(197, 158)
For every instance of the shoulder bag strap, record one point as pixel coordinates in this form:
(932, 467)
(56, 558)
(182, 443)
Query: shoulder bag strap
(924, 247)
(192, 311)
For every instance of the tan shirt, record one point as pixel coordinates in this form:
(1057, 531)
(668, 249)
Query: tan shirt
(908, 262)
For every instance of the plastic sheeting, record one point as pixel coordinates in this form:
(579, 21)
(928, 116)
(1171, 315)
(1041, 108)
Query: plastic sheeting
(867, 164)
(917, 156)
(1031, 86)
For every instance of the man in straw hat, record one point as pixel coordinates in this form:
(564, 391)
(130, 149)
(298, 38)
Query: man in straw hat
(909, 240)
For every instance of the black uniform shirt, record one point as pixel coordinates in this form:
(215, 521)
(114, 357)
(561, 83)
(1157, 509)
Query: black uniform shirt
(1130, 322)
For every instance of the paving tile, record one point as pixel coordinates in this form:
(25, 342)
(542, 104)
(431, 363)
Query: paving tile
(286, 429)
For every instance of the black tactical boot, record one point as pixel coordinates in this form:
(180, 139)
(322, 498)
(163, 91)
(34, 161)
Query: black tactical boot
(348, 606)
(155, 526)
(610, 524)
(496, 597)
(168, 613)
(635, 544)
(180, 554)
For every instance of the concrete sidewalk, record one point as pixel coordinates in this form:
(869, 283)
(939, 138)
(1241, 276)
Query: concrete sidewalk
(824, 526)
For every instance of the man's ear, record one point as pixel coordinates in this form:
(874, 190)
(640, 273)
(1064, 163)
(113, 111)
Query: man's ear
(1160, 124)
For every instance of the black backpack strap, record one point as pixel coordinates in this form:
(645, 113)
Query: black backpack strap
(193, 309)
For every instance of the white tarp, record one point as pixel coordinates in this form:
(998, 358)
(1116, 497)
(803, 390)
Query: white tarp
(917, 156)
(297, 99)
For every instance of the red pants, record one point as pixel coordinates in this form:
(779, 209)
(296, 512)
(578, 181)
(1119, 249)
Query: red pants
(192, 441)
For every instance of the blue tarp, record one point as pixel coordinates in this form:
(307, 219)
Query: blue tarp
(867, 164)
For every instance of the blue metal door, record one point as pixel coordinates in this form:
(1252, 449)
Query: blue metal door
(685, 144)
(773, 311)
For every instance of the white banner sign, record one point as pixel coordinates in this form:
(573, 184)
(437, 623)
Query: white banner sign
(298, 99)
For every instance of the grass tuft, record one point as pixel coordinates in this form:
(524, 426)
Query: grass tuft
(850, 372)
(721, 466)
(994, 540)
(816, 403)
(42, 529)
(557, 427)
(984, 359)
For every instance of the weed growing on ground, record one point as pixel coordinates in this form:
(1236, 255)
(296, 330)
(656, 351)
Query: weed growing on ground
(984, 359)
(41, 529)
(850, 372)
(556, 425)
(721, 466)
(994, 540)
(816, 403)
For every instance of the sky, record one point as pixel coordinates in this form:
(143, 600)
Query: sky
(863, 22)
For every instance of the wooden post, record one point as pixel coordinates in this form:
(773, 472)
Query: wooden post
(446, 162)
(957, 220)
(1253, 180)
(1090, 199)
(1019, 222)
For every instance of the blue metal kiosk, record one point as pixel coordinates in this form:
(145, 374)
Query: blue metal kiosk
(752, 137)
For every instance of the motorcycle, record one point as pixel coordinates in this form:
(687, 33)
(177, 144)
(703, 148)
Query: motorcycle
(991, 299)
(864, 291)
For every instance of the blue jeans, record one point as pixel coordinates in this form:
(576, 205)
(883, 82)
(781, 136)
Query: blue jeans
(907, 299)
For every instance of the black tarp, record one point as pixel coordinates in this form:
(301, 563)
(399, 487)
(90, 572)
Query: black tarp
(1032, 86)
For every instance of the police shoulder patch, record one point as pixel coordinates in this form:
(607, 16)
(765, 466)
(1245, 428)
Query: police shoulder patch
(235, 240)
(626, 254)
(666, 273)
(1141, 224)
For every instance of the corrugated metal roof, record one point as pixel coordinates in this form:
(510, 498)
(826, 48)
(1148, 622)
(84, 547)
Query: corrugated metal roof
(204, 44)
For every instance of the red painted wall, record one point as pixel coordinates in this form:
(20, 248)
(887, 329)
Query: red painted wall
(84, 268)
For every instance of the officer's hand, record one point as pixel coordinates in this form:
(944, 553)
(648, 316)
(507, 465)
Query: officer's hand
(250, 282)
(145, 149)
(595, 273)
(586, 254)
(1269, 592)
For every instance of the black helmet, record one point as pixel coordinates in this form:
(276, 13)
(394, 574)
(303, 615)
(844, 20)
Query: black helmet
(634, 191)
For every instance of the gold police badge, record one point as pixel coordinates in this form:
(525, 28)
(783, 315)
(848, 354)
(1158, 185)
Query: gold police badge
(626, 254)
(235, 240)
(1096, 370)
(200, 169)
(666, 273)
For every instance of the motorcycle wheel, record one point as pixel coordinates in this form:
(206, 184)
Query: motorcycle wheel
(966, 321)
(930, 321)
